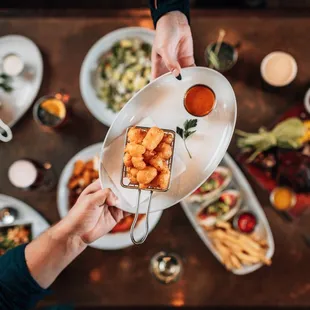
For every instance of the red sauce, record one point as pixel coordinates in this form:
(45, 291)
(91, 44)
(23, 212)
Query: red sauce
(125, 224)
(246, 222)
(199, 100)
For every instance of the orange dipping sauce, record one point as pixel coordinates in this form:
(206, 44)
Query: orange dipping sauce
(199, 100)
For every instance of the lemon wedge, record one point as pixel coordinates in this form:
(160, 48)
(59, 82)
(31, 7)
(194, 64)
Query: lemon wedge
(54, 107)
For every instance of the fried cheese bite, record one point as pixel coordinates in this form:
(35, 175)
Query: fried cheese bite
(153, 138)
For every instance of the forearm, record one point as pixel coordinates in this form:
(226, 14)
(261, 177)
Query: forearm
(51, 253)
(161, 7)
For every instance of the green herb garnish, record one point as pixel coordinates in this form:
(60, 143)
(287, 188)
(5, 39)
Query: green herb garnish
(214, 60)
(5, 80)
(186, 132)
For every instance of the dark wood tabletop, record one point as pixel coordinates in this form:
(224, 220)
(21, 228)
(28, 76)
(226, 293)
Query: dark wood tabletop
(101, 278)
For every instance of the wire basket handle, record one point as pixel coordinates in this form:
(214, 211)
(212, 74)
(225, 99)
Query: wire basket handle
(133, 225)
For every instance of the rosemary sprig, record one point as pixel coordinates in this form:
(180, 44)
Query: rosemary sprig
(186, 132)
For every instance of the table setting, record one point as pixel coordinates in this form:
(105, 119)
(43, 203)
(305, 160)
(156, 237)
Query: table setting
(210, 204)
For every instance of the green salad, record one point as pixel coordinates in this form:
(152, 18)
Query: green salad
(123, 71)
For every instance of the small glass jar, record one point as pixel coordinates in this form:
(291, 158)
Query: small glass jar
(28, 174)
(283, 198)
(224, 60)
(51, 111)
(166, 267)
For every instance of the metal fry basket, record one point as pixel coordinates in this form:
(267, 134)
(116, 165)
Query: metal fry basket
(149, 189)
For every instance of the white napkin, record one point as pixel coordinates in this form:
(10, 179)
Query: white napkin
(115, 153)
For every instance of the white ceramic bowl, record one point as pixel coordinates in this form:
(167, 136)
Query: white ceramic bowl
(96, 106)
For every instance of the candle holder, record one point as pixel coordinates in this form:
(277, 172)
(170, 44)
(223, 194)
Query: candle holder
(166, 267)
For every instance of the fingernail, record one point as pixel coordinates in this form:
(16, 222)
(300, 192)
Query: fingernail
(177, 76)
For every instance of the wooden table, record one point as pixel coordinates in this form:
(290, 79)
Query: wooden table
(101, 278)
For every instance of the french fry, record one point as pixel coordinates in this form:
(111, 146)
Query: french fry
(226, 256)
(221, 224)
(233, 233)
(266, 260)
(249, 242)
(262, 242)
(235, 261)
(221, 249)
(232, 246)
(236, 249)
(228, 263)
(247, 258)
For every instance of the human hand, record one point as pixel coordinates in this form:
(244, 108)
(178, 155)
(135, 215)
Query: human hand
(173, 45)
(94, 214)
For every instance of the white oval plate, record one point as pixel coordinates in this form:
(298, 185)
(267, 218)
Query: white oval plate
(110, 241)
(96, 106)
(26, 215)
(17, 102)
(162, 101)
(307, 101)
(250, 203)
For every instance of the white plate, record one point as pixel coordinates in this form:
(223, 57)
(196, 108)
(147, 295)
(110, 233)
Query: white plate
(26, 215)
(17, 102)
(307, 101)
(162, 101)
(250, 202)
(110, 241)
(90, 64)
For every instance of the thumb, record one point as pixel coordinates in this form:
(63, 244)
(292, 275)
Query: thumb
(103, 196)
(171, 62)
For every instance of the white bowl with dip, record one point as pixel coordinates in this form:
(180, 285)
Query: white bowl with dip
(12, 65)
(278, 69)
(307, 101)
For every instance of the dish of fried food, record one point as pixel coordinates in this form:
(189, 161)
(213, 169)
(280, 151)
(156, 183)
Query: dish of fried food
(237, 249)
(84, 173)
(147, 154)
(13, 236)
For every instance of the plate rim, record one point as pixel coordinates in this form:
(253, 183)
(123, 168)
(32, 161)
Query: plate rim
(217, 162)
(84, 66)
(40, 73)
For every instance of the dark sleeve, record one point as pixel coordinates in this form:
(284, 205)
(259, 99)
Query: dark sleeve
(18, 290)
(161, 7)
